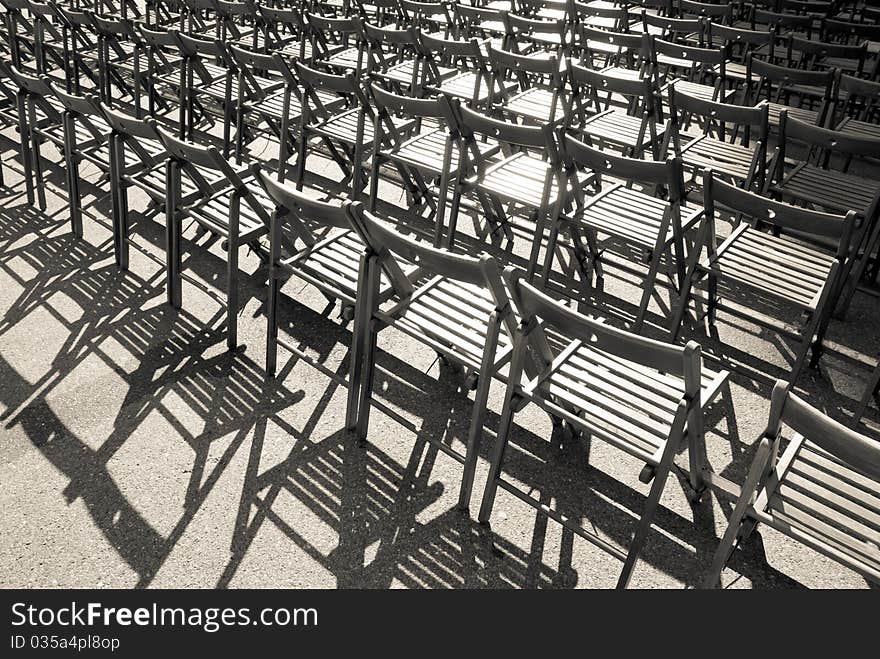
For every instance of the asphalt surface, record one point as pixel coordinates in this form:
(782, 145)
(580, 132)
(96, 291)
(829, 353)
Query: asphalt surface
(135, 451)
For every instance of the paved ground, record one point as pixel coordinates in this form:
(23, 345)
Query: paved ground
(137, 452)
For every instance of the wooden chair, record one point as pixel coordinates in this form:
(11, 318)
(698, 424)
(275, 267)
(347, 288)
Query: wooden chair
(643, 397)
(600, 49)
(732, 140)
(631, 129)
(541, 97)
(83, 135)
(857, 107)
(529, 180)
(740, 43)
(137, 158)
(347, 132)
(314, 241)
(458, 68)
(535, 36)
(777, 84)
(284, 31)
(393, 55)
(431, 152)
(822, 180)
(656, 224)
(223, 201)
(819, 489)
(40, 117)
(454, 304)
(770, 265)
(337, 42)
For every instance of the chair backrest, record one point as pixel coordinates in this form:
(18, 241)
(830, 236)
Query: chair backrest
(300, 209)
(532, 304)
(741, 40)
(641, 93)
(128, 125)
(718, 12)
(764, 76)
(855, 450)
(666, 175)
(634, 46)
(382, 238)
(673, 28)
(389, 102)
(859, 97)
(471, 122)
(753, 120)
(826, 139)
(838, 228)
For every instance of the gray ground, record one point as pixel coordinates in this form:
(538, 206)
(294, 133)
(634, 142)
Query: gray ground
(138, 452)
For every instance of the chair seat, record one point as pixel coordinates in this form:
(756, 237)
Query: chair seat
(776, 265)
(454, 314)
(702, 91)
(401, 73)
(519, 178)
(835, 191)
(625, 403)
(631, 215)
(825, 504)
(343, 127)
(801, 114)
(617, 126)
(425, 150)
(535, 103)
(464, 84)
(344, 59)
(860, 128)
(213, 214)
(732, 160)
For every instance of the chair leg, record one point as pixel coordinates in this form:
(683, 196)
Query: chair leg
(232, 293)
(272, 327)
(356, 352)
(172, 236)
(478, 418)
(495, 460)
(123, 227)
(750, 486)
(649, 285)
(644, 527)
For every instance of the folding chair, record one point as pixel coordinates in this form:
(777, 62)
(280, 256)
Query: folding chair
(455, 304)
(119, 58)
(632, 128)
(347, 133)
(81, 137)
(529, 179)
(816, 182)
(542, 96)
(40, 115)
(719, 14)
(740, 43)
(337, 42)
(432, 151)
(211, 84)
(656, 224)
(458, 68)
(624, 53)
(535, 36)
(285, 31)
(742, 160)
(431, 18)
(813, 55)
(643, 397)
(699, 72)
(332, 259)
(137, 158)
(394, 56)
(777, 84)
(770, 265)
(223, 202)
(482, 23)
(821, 489)
(857, 108)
